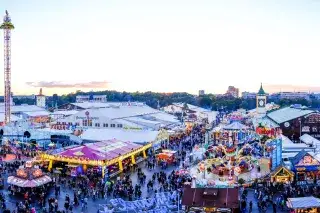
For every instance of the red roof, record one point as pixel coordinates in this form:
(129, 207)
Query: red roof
(211, 197)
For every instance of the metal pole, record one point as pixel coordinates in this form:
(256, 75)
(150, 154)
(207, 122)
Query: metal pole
(178, 201)
(300, 130)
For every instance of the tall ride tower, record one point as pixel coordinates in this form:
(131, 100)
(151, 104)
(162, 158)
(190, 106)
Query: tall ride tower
(7, 26)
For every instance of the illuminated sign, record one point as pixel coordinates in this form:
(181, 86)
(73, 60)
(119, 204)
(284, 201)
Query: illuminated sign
(306, 129)
(301, 169)
(87, 118)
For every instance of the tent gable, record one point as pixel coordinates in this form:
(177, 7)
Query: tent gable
(307, 160)
(282, 171)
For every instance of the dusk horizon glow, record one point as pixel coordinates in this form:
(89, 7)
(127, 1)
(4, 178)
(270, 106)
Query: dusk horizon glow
(167, 46)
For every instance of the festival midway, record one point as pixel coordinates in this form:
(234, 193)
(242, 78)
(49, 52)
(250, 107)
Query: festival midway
(95, 155)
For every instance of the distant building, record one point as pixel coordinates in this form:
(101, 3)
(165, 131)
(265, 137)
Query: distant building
(201, 92)
(296, 121)
(232, 91)
(92, 98)
(248, 95)
(41, 99)
(291, 95)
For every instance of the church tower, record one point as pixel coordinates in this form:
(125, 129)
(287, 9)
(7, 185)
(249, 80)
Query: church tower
(261, 102)
(41, 100)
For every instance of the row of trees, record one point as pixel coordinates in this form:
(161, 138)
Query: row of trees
(152, 99)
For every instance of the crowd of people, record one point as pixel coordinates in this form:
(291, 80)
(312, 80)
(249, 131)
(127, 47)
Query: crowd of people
(80, 190)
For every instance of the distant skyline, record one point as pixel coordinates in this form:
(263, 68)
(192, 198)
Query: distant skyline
(163, 46)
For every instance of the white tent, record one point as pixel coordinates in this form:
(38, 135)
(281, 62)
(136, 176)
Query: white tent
(303, 202)
(308, 139)
(235, 126)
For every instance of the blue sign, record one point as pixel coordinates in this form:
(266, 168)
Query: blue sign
(276, 154)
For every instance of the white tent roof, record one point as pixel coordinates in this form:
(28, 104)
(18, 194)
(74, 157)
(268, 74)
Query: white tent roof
(303, 202)
(286, 141)
(12, 117)
(308, 139)
(235, 126)
(138, 136)
(22, 108)
(266, 122)
(287, 114)
(64, 112)
(37, 113)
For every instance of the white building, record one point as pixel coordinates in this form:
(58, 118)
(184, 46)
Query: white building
(41, 99)
(292, 95)
(201, 92)
(88, 98)
(135, 116)
(248, 95)
(200, 113)
(22, 110)
(60, 114)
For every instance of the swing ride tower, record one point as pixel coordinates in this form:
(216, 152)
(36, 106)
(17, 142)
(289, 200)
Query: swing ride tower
(7, 26)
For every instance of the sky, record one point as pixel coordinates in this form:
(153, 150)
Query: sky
(163, 45)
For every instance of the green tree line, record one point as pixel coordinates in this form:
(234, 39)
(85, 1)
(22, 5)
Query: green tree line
(208, 101)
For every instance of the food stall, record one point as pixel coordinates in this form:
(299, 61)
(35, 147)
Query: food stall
(304, 204)
(167, 156)
(28, 177)
(282, 175)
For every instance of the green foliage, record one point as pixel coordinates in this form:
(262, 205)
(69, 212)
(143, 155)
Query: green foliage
(241, 181)
(208, 101)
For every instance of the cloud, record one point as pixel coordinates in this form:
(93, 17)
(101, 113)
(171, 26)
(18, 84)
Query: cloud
(60, 84)
(271, 88)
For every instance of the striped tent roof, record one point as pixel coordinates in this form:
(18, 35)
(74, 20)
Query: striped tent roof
(303, 202)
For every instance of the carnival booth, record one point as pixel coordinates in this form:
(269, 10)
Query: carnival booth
(304, 204)
(166, 156)
(27, 177)
(306, 168)
(282, 175)
(110, 157)
(232, 132)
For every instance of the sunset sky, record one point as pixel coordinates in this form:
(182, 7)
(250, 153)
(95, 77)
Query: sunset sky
(163, 45)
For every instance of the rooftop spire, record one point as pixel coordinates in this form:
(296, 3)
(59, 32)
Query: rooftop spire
(261, 91)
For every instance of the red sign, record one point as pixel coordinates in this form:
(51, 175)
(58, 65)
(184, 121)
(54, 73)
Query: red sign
(265, 131)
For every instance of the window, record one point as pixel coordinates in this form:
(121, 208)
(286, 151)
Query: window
(119, 125)
(58, 122)
(105, 125)
(314, 129)
(90, 122)
(84, 122)
(70, 123)
(63, 123)
(112, 125)
(97, 124)
(77, 124)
